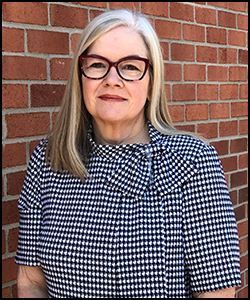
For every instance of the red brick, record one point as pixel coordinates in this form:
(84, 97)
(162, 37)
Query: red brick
(9, 270)
(94, 4)
(221, 147)
(25, 12)
(194, 72)
(11, 214)
(134, 6)
(74, 38)
(217, 73)
(236, 38)
(216, 35)
(182, 52)
(208, 130)
(165, 50)
(238, 145)
(227, 56)
(6, 292)
(54, 117)
(242, 228)
(159, 9)
(181, 11)
(228, 91)
(196, 112)
(229, 163)
(239, 6)
(189, 128)
(243, 195)
(237, 73)
(95, 13)
(243, 293)
(193, 33)
(167, 89)
(243, 56)
(242, 21)
(228, 128)
(14, 291)
(72, 17)
(40, 41)
(243, 161)
(183, 92)
(219, 110)
(243, 262)
(12, 39)
(15, 182)
(32, 146)
(168, 29)
(14, 95)
(238, 179)
(206, 54)
(12, 239)
(239, 109)
(207, 91)
(227, 179)
(46, 94)
(3, 242)
(243, 126)
(226, 19)
(172, 72)
(243, 245)
(205, 15)
(59, 68)
(14, 155)
(244, 91)
(20, 67)
(20, 125)
(240, 212)
(176, 113)
(219, 4)
(233, 197)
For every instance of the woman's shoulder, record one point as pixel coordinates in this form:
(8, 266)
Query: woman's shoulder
(38, 155)
(187, 146)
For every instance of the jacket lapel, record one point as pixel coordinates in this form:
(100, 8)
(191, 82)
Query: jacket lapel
(132, 177)
(170, 171)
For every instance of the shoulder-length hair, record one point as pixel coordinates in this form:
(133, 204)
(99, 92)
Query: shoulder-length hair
(68, 146)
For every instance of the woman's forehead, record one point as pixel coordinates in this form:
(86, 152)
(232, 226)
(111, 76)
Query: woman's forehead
(122, 41)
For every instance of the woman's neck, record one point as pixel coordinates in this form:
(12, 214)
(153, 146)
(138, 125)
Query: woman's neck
(121, 133)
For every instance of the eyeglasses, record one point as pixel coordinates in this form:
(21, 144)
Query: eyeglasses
(131, 68)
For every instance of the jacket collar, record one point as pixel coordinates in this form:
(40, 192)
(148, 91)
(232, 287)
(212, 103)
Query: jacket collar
(158, 163)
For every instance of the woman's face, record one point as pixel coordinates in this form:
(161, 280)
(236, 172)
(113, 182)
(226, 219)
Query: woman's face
(112, 99)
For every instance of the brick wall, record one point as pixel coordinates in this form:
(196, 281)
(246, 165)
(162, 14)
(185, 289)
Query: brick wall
(205, 54)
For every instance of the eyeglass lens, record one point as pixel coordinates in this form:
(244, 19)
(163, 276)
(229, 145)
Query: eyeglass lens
(131, 69)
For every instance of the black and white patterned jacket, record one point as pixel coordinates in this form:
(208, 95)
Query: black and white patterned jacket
(151, 221)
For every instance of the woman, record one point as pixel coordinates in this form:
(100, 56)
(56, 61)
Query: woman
(116, 202)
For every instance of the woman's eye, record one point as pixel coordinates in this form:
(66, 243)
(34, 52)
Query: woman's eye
(97, 65)
(130, 67)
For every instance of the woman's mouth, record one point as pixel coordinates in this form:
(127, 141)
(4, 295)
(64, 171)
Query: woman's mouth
(112, 98)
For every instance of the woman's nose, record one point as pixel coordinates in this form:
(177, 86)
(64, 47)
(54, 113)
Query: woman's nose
(113, 78)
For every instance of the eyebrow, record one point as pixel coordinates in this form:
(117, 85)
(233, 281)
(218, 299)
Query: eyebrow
(128, 56)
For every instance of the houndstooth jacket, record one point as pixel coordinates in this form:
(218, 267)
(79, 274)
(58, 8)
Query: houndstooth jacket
(151, 221)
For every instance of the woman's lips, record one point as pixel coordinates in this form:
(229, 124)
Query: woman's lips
(112, 98)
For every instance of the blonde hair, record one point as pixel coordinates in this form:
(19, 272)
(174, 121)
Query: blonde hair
(68, 147)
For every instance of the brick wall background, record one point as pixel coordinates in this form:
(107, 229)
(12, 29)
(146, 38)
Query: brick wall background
(205, 47)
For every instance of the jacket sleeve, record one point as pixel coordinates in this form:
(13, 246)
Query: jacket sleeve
(211, 243)
(30, 210)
